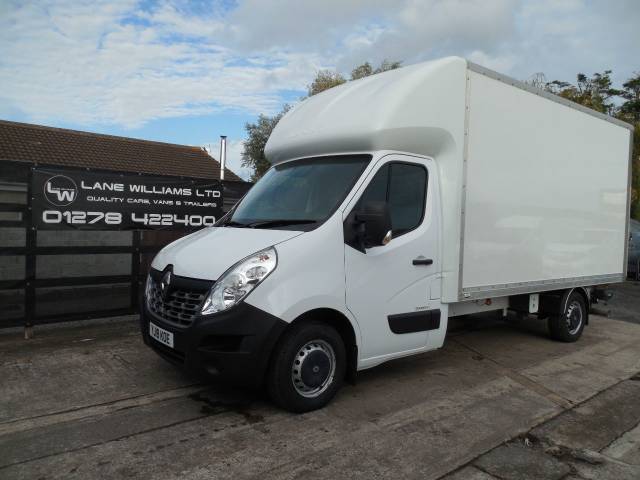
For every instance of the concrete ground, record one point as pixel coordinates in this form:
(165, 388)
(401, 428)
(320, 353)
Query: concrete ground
(625, 304)
(499, 401)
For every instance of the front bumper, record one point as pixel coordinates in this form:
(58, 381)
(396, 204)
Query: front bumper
(234, 346)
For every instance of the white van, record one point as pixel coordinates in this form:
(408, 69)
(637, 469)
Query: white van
(394, 203)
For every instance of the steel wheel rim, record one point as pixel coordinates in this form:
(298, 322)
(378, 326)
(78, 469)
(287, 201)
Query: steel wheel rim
(574, 317)
(310, 360)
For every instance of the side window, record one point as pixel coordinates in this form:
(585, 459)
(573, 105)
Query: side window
(404, 187)
(407, 196)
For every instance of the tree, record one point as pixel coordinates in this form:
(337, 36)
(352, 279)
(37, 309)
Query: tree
(366, 69)
(596, 92)
(258, 133)
(362, 71)
(630, 109)
(325, 79)
(635, 174)
(538, 80)
(387, 65)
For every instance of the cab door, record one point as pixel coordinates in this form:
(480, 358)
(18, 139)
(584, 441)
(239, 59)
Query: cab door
(393, 290)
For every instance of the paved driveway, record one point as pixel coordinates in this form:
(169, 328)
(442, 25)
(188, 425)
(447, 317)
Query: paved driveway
(93, 402)
(625, 304)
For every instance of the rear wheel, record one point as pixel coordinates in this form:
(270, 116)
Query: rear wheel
(569, 325)
(307, 368)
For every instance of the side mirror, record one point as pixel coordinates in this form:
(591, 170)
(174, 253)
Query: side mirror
(373, 221)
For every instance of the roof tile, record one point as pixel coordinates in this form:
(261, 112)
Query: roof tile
(57, 146)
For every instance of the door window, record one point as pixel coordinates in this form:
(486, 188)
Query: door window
(404, 187)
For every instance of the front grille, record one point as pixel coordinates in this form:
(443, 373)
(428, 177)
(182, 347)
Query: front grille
(181, 304)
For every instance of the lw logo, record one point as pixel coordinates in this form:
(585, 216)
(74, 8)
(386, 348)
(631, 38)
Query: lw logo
(60, 190)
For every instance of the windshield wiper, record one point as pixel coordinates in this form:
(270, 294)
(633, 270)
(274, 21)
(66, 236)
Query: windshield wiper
(279, 223)
(233, 223)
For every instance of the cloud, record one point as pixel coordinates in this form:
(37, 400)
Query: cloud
(234, 159)
(565, 37)
(302, 26)
(499, 63)
(128, 62)
(106, 63)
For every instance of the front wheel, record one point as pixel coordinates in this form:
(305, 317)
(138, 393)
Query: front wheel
(307, 368)
(569, 325)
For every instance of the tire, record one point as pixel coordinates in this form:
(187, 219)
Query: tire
(569, 325)
(307, 368)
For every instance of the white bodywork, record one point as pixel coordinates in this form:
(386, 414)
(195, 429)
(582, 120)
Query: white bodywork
(525, 194)
(546, 193)
(534, 189)
(418, 109)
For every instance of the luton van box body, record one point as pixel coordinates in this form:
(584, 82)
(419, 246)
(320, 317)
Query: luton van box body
(394, 203)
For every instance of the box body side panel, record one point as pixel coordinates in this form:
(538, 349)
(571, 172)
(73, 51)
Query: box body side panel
(546, 193)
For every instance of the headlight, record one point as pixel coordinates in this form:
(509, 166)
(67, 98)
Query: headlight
(239, 280)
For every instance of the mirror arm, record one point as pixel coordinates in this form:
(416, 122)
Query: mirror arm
(360, 229)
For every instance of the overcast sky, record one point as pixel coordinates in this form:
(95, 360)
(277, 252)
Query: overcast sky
(187, 72)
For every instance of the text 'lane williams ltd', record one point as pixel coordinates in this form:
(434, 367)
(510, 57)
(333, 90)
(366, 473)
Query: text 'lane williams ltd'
(153, 190)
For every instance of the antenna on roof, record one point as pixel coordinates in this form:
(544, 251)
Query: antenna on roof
(223, 155)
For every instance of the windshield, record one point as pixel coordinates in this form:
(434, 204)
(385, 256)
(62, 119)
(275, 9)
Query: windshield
(302, 192)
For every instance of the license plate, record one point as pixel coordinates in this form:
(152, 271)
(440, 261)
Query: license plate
(161, 335)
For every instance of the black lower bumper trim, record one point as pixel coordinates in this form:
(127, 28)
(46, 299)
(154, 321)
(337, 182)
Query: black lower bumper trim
(234, 346)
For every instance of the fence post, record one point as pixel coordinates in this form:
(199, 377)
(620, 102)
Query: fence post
(31, 241)
(135, 270)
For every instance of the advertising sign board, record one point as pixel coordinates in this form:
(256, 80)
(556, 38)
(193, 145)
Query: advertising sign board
(92, 200)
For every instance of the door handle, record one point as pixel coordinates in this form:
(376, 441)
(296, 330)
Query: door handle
(422, 261)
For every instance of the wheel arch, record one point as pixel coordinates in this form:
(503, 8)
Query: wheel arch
(343, 326)
(555, 302)
(585, 296)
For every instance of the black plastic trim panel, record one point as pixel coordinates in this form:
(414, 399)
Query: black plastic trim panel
(234, 345)
(414, 321)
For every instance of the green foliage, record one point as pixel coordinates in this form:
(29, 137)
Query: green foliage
(325, 79)
(362, 71)
(630, 109)
(597, 92)
(635, 174)
(387, 65)
(258, 133)
(366, 69)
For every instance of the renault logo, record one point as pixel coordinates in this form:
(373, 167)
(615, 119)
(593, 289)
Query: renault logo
(165, 283)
